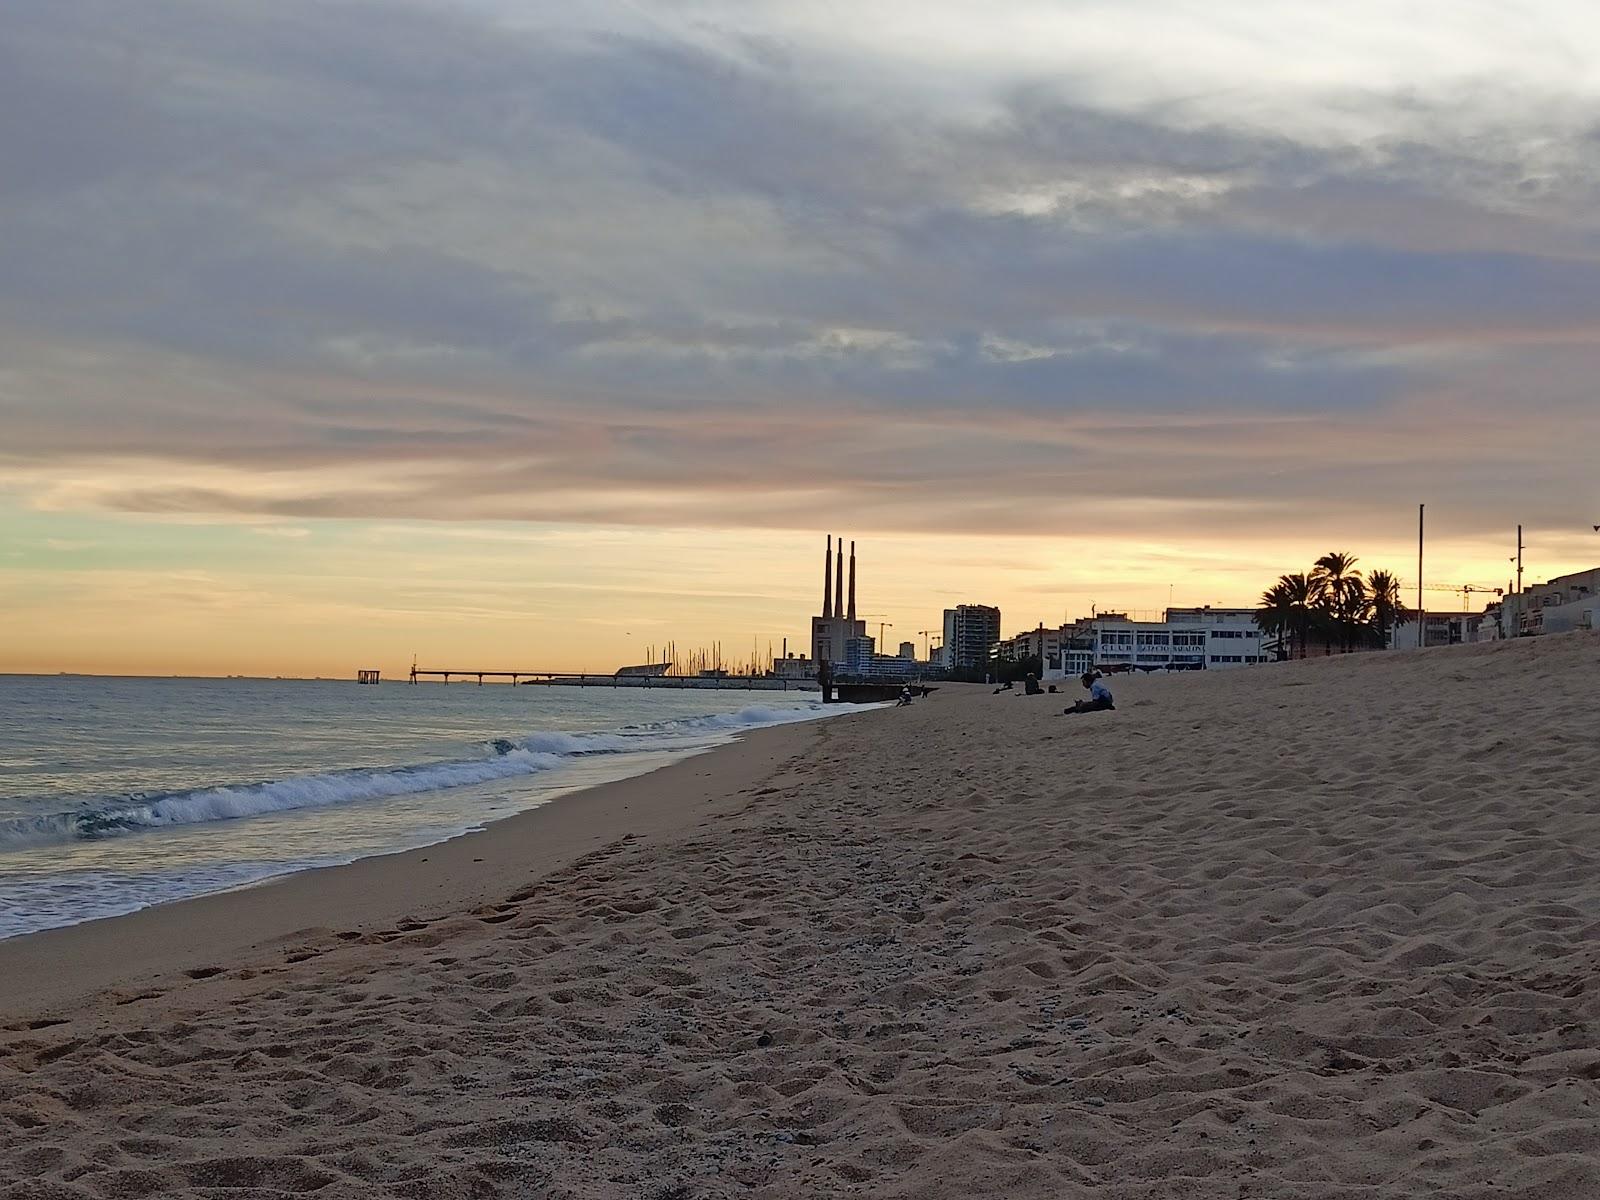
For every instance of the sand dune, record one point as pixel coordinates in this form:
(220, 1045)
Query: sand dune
(1322, 930)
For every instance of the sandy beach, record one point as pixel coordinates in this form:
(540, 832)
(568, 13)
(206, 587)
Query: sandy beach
(1323, 929)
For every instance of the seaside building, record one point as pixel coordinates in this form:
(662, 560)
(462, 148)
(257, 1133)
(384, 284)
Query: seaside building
(837, 625)
(1490, 629)
(1034, 643)
(792, 666)
(1440, 629)
(970, 633)
(1566, 603)
(862, 661)
(648, 670)
(908, 650)
(1062, 653)
(1186, 639)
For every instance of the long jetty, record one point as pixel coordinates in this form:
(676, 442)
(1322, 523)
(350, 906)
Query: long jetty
(753, 683)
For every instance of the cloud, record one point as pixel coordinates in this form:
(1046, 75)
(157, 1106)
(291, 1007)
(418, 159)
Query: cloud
(734, 265)
(289, 532)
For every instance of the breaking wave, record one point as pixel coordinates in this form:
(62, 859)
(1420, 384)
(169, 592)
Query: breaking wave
(502, 758)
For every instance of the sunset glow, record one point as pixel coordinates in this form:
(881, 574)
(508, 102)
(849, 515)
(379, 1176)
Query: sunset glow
(510, 334)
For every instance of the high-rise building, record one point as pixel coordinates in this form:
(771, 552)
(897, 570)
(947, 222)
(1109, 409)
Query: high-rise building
(908, 650)
(970, 631)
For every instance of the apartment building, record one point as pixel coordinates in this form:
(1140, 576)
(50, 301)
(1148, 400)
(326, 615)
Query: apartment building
(970, 634)
(1567, 602)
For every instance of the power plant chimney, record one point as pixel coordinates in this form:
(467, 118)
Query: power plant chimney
(852, 581)
(827, 582)
(838, 584)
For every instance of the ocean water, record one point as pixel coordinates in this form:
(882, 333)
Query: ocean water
(116, 794)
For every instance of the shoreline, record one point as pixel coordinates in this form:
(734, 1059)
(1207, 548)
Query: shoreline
(70, 966)
(1325, 928)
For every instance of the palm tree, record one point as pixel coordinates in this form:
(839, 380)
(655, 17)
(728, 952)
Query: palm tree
(1276, 616)
(1355, 611)
(1339, 591)
(1387, 609)
(1288, 606)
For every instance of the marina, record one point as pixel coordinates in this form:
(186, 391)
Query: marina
(714, 681)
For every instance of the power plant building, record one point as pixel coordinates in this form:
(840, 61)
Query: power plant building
(833, 632)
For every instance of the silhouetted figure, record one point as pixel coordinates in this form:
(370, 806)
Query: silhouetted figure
(825, 681)
(1031, 686)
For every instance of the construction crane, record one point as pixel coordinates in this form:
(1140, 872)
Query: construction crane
(882, 625)
(927, 646)
(1464, 590)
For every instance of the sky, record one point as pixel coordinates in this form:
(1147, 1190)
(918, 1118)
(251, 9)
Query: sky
(512, 334)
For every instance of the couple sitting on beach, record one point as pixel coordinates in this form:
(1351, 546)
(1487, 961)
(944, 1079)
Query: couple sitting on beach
(1099, 695)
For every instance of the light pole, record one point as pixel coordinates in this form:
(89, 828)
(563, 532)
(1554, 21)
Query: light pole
(1422, 619)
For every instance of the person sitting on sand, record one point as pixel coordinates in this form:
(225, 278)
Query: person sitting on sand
(1099, 695)
(1031, 686)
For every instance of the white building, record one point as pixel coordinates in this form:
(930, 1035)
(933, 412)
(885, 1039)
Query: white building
(862, 661)
(1033, 643)
(1440, 629)
(1069, 663)
(1188, 639)
(1565, 603)
(795, 667)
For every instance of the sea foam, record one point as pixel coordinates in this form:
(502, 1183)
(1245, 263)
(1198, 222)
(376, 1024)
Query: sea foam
(499, 759)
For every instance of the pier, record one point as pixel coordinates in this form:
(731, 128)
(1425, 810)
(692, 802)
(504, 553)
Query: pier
(717, 682)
